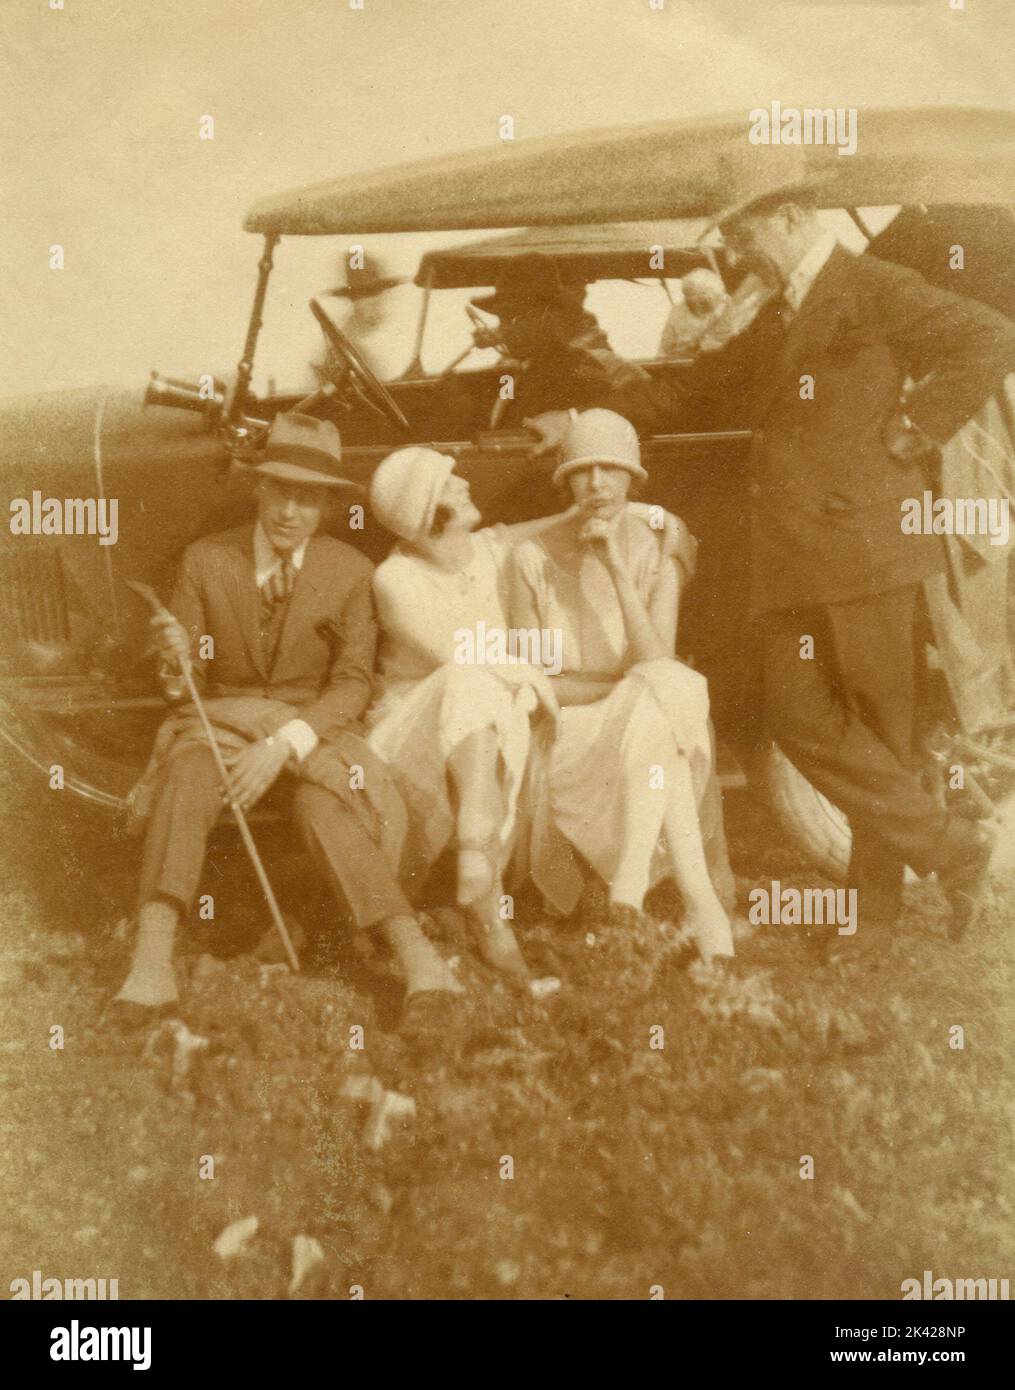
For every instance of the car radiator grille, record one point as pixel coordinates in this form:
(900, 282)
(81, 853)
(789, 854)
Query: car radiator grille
(33, 597)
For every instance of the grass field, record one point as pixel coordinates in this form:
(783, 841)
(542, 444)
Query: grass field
(635, 1168)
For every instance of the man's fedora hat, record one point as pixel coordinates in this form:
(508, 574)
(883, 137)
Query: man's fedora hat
(528, 281)
(756, 175)
(362, 282)
(303, 449)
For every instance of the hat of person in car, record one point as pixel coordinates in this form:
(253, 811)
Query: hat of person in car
(303, 449)
(599, 436)
(362, 281)
(406, 488)
(527, 282)
(748, 179)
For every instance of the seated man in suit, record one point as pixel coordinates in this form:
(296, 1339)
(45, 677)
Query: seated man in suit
(278, 625)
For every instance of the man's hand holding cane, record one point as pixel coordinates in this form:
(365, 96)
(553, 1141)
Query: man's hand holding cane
(174, 645)
(253, 769)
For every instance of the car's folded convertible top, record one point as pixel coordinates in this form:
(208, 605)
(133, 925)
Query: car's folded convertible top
(618, 251)
(670, 169)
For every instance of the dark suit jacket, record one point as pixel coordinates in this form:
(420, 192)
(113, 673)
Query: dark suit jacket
(573, 375)
(323, 664)
(825, 494)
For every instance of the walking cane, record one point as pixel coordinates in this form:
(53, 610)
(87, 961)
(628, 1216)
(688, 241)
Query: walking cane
(150, 597)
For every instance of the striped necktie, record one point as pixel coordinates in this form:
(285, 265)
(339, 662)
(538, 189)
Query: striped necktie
(276, 589)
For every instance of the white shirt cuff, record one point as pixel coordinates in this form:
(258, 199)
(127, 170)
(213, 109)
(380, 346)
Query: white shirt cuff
(300, 737)
(172, 682)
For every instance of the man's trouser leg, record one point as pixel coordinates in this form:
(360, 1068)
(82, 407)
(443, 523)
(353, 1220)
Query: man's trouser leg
(355, 869)
(186, 809)
(845, 718)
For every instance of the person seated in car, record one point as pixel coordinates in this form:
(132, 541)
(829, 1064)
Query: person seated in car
(370, 323)
(708, 316)
(704, 297)
(552, 347)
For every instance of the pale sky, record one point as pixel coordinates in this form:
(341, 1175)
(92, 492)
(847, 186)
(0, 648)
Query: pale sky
(103, 101)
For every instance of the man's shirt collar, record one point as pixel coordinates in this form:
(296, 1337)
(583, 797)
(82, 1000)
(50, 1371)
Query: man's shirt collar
(267, 559)
(807, 270)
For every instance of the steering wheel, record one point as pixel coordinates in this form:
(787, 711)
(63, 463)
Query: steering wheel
(360, 377)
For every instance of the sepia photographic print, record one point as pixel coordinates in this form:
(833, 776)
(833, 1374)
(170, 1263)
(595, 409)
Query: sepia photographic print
(506, 682)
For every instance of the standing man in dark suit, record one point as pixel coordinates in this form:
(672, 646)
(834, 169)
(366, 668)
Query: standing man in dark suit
(820, 378)
(278, 625)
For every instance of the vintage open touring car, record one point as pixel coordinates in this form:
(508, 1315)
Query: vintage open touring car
(76, 686)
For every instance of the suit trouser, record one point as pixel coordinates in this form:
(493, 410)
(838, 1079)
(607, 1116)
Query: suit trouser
(190, 802)
(846, 719)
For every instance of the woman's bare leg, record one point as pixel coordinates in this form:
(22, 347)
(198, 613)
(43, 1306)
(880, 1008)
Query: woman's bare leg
(474, 772)
(473, 767)
(690, 868)
(631, 877)
(643, 810)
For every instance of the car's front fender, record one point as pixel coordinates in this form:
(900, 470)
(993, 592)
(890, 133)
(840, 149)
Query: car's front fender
(75, 678)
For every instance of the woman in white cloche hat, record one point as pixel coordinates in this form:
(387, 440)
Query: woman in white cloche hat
(629, 778)
(452, 719)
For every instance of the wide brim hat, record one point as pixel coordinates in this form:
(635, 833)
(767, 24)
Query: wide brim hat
(599, 436)
(303, 449)
(757, 174)
(363, 282)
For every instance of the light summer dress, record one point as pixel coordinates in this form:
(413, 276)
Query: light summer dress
(427, 703)
(601, 784)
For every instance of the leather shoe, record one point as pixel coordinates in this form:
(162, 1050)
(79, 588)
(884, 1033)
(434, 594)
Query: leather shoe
(965, 884)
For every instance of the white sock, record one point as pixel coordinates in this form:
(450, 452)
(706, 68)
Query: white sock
(151, 980)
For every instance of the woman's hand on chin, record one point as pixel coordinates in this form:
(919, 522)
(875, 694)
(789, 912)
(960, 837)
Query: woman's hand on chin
(592, 530)
(601, 538)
